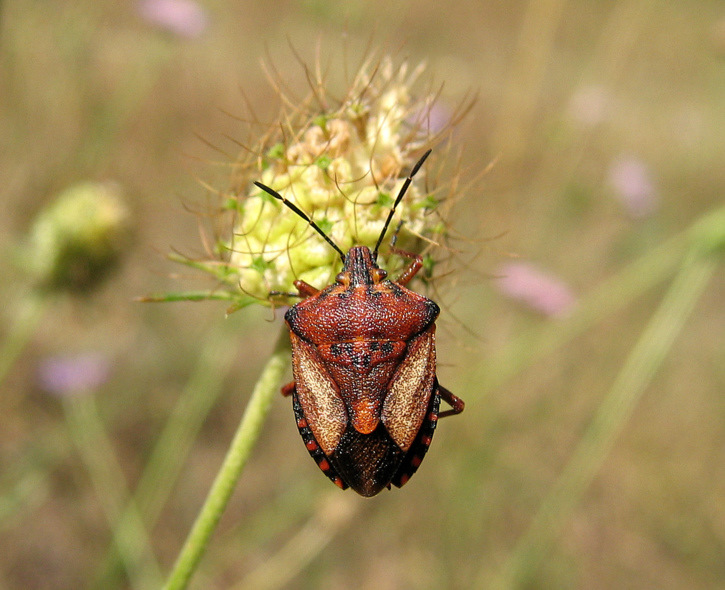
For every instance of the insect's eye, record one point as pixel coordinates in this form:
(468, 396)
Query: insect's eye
(340, 278)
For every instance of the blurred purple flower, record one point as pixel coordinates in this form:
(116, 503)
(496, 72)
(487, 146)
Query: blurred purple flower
(70, 375)
(431, 118)
(633, 187)
(535, 288)
(184, 18)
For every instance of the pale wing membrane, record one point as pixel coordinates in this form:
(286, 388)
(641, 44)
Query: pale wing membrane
(410, 389)
(318, 395)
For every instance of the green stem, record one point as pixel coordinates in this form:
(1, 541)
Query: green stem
(133, 543)
(234, 462)
(614, 411)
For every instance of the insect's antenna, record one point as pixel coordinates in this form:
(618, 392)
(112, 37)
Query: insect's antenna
(303, 215)
(403, 189)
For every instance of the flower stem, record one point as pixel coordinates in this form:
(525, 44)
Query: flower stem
(234, 462)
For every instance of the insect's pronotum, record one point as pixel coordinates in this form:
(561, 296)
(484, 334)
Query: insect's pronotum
(365, 392)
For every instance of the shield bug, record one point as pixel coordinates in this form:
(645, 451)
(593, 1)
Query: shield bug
(365, 393)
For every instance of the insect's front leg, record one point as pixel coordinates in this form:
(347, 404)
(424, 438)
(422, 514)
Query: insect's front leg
(305, 289)
(411, 270)
(456, 403)
(288, 389)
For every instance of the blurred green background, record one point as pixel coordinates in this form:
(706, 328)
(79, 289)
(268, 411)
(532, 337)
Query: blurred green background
(570, 468)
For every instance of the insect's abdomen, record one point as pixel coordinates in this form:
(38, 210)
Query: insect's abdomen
(368, 463)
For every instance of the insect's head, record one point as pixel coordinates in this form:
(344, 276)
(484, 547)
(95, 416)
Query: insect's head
(360, 268)
(372, 257)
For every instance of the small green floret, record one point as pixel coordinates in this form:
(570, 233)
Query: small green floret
(384, 200)
(276, 152)
(323, 162)
(428, 266)
(320, 121)
(428, 202)
(260, 264)
(231, 204)
(325, 225)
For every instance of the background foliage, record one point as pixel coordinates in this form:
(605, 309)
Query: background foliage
(591, 452)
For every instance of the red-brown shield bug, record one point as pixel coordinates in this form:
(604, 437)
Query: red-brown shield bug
(365, 393)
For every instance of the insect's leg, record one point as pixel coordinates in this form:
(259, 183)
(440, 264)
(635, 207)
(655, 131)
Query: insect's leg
(411, 270)
(456, 403)
(282, 294)
(305, 289)
(288, 389)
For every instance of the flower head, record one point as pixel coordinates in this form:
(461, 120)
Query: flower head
(77, 239)
(73, 375)
(536, 289)
(632, 184)
(343, 165)
(184, 18)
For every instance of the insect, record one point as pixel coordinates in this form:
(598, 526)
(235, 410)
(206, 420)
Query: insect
(365, 393)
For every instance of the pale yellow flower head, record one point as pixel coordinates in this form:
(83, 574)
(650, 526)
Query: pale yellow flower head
(342, 163)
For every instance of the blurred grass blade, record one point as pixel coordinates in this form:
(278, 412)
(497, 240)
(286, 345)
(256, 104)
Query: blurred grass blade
(621, 290)
(614, 411)
(536, 38)
(172, 448)
(331, 517)
(190, 296)
(26, 320)
(27, 494)
(132, 541)
(631, 282)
